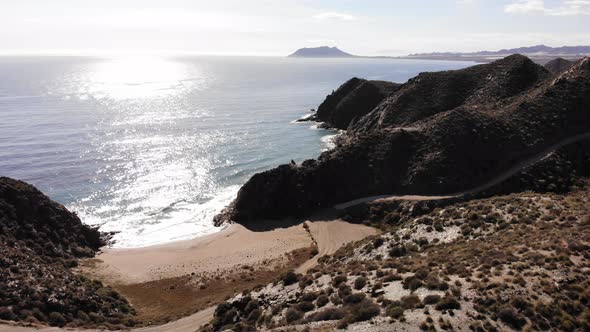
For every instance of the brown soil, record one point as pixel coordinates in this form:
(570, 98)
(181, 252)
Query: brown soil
(161, 301)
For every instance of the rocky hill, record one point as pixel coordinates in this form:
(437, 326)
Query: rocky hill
(41, 242)
(439, 133)
(558, 65)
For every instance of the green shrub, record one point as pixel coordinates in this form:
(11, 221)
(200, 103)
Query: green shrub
(309, 296)
(252, 305)
(314, 251)
(363, 311)
(397, 251)
(7, 314)
(336, 300)
(412, 283)
(395, 311)
(378, 242)
(337, 280)
(360, 282)
(411, 302)
(344, 290)
(510, 316)
(322, 300)
(327, 314)
(289, 278)
(431, 299)
(305, 306)
(293, 314)
(448, 302)
(57, 319)
(254, 315)
(354, 298)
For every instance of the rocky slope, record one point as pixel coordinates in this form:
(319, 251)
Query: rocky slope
(40, 241)
(438, 133)
(516, 262)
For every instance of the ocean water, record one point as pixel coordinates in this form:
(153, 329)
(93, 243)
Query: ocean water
(153, 148)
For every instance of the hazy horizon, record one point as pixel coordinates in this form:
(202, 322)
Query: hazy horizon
(267, 28)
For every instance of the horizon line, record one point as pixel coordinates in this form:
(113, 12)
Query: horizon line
(98, 53)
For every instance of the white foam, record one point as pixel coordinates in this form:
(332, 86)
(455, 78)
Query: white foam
(329, 141)
(180, 221)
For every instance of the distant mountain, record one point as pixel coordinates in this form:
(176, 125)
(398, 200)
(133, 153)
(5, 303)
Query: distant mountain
(538, 49)
(321, 52)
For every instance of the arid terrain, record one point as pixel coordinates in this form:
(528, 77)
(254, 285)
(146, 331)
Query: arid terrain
(459, 200)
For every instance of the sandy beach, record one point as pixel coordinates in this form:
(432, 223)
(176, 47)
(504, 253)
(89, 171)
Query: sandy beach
(176, 286)
(233, 246)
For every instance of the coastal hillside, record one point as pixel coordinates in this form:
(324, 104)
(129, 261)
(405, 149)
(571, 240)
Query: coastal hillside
(41, 243)
(442, 133)
(506, 263)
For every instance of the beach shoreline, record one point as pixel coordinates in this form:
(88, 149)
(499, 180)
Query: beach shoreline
(169, 282)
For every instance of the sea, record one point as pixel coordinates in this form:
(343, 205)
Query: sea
(151, 148)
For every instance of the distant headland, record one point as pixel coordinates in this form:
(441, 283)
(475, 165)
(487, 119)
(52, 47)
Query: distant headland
(321, 52)
(539, 53)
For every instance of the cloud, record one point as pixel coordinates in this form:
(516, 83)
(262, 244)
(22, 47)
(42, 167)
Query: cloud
(525, 7)
(335, 16)
(567, 8)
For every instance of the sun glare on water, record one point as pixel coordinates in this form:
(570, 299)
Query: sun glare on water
(154, 170)
(137, 77)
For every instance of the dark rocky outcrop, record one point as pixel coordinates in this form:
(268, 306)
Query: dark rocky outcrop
(431, 93)
(40, 241)
(353, 100)
(558, 65)
(439, 133)
(27, 215)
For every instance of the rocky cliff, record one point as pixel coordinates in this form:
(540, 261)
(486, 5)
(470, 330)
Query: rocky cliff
(40, 241)
(352, 101)
(438, 133)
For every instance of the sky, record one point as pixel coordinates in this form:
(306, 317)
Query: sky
(279, 27)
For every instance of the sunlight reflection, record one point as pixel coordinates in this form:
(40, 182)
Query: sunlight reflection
(137, 77)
